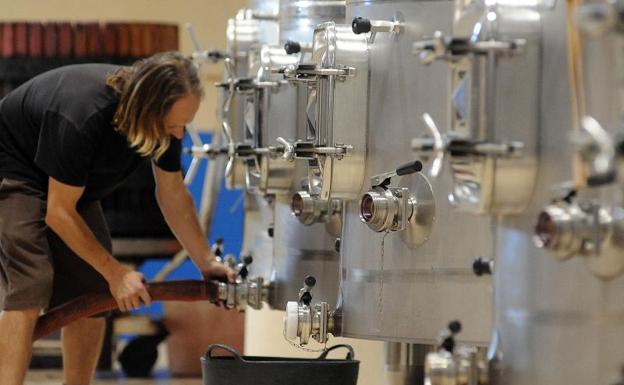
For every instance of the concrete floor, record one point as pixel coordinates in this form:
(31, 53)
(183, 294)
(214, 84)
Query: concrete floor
(54, 377)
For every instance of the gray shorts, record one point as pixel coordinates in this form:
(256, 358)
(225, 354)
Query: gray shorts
(37, 269)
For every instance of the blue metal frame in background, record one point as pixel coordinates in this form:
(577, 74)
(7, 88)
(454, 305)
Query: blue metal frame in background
(227, 224)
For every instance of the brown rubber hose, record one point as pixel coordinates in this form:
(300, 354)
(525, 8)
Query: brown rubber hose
(94, 303)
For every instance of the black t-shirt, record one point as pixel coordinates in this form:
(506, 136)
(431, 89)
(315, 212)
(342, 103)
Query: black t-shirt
(59, 124)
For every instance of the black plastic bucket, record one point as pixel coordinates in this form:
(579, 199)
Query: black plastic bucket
(236, 369)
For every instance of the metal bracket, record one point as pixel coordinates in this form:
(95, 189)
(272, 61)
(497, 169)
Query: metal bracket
(449, 48)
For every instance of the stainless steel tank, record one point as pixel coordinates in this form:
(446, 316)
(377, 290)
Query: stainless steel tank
(267, 108)
(405, 283)
(246, 33)
(559, 322)
(300, 250)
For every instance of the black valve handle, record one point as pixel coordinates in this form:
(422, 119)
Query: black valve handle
(360, 25)
(243, 270)
(409, 168)
(448, 343)
(292, 47)
(306, 298)
(217, 248)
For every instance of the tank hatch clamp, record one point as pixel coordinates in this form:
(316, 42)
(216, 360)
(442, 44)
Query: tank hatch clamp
(442, 47)
(457, 145)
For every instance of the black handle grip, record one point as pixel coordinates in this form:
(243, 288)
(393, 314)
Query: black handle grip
(292, 47)
(409, 168)
(234, 352)
(350, 354)
(360, 25)
(602, 179)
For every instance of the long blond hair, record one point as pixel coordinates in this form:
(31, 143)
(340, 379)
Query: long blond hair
(147, 90)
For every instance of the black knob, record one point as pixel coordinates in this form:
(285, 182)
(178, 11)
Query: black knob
(360, 25)
(409, 168)
(460, 46)
(337, 243)
(455, 327)
(217, 248)
(247, 259)
(306, 298)
(448, 343)
(310, 281)
(482, 266)
(215, 55)
(271, 231)
(292, 47)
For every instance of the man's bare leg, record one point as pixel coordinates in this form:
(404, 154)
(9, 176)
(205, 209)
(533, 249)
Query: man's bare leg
(16, 330)
(82, 342)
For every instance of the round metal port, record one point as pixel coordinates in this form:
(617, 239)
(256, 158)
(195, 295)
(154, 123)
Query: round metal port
(367, 208)
(296, 205)
(304, 207)
(562, 229)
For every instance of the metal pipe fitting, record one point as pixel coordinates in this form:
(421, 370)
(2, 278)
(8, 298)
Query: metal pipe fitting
(249, 293)
(584, 228)
(387, 209)
(311, 209)
(305, 322)
(562, 229)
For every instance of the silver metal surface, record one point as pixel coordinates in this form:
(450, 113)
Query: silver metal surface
(389, 290)
(300, 251)
(299, 17)
(278, 119)
(257, 229)
(547, 311)
(404, 363)
(492, 145)
(468, 366)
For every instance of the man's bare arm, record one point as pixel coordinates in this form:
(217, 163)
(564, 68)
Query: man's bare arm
(63, 218)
